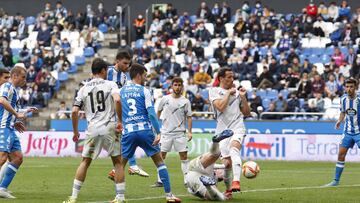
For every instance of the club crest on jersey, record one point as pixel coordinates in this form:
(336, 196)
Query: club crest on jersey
(351, 112)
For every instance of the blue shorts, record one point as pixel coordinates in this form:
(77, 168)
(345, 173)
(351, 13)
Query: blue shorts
(142, 139)
(348, 141)
(9, 141)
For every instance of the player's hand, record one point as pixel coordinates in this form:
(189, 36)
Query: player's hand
(20, 127)
(232, 91)
(189, 137)
(242, 92)
(156, 140)
(32, 109)
(76, 136)
(337, 125)
(20, 116)
(119, 128)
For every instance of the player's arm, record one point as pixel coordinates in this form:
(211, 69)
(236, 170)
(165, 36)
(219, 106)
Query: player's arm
(118, 108)
(75, 122)
(152, 115)
(4, 102)
(221, 104)
(340, 120)
(245, 107)
(189, 121)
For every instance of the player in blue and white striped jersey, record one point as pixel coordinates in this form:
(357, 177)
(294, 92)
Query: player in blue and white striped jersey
(119, 73)
(9, 115)
(349, 106)
(138, 119)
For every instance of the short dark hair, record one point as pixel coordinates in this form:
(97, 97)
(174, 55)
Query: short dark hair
(178, 80)
(98, 65)
(123, 55)
(136, 69)
(222, 72)
(4, 70)
(351, 81)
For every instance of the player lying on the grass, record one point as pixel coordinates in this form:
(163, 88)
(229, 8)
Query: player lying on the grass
(138, 120)
(349, 106)
(200, 179)
(10, 120)
(174, 110)
(100, 100)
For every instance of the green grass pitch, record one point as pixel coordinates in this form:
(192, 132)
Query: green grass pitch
(50, 180)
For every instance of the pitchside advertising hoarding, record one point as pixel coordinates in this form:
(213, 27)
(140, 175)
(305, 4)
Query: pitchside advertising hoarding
(306, 147)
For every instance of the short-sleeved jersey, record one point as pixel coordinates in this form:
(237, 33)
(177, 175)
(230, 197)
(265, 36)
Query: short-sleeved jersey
(351, 109)
(120, 78)
(135, 99)
(8, 91)
(174, 114)
(96, 97)
(231, 118)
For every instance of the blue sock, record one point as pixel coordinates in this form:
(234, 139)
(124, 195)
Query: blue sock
(164, 177)
(132, 161)
(9, 175)
(339, 169)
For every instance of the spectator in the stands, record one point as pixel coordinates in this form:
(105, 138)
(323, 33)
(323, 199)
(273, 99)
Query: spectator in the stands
(293, 103)
(225, 14)
(240, 27)
(311, 9)
(44, 36)
(280, 103)
(60, 9)
(265, 80)
(333, 12)
(344, 11)
(331, 87)
(61, 114)
(139, 26)
(204, 11)
(255, 101)
(201, 78)
(318, 85)
(338, 56)
(304, 87)
(31, 74)
(355, 70)
(198, 103)
(170, 11)
(271, 109)
(202, 34)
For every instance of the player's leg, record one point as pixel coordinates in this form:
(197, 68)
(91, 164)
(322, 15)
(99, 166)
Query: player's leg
(346, 143)
(213, 192)
(158, 183)
(119, 178)
(3, 170)
(166, 144)
(134, 169)
(180, 145)
(236, 164)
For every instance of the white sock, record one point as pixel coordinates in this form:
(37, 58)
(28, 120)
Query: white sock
(227, 178)
(215, 193)
(185, 167)
(120, 191)
(3, 170)
(159, 180)
(135, 167)
(236, 163)
(214, 149)
(76, 188)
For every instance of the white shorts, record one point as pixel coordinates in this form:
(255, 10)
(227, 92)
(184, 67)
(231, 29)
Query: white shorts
(196, 166)
(178, 142)
(101, 138)
(224, 145)
(195, 186)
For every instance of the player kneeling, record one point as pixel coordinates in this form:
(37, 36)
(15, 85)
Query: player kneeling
(200, 178)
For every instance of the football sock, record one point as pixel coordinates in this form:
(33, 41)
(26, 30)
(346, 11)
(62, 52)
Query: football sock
(76, 188)
(132, 162)
(185, 167)
(159, 180)
(227, 178)
(120, 191)
(236, 163)
(215, 193)
(339, 169)
(164, 177)
(3, 170)
(10, 173)
(214, 149)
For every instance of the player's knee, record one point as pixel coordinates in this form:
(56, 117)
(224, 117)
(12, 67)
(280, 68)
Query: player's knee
(341, 157)
(227, 163)
(3, 159)
(18, 160)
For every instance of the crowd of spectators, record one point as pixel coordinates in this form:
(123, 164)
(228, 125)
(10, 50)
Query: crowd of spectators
(289, 62)
(47, 44)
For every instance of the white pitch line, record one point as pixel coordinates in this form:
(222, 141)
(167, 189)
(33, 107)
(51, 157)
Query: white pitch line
(246, 191)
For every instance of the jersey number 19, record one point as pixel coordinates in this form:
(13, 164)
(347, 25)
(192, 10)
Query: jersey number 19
(100, 100)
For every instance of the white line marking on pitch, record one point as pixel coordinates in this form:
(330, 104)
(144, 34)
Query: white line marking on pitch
(246, 191)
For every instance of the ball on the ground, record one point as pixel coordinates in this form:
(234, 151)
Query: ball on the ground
(250, 169)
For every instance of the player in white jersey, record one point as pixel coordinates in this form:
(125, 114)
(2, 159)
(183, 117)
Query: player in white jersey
(119, 73)
(175, 110)
(9, 117)
(230, 106)
(201, 178)
(101, 100)
(349, 107)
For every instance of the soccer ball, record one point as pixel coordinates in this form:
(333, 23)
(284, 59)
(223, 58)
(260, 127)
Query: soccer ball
(250, 169)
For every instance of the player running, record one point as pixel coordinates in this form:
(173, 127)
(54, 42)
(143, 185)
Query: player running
(349, 106)
(119, 74)
(175, 110)
(10, 118)
(230, 106)
(138, 119)
(100, 99)
(200, 178)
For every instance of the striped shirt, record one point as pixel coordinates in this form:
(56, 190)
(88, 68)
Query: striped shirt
(135, 99)
(351, 108)
(120, 78)
(8, 91)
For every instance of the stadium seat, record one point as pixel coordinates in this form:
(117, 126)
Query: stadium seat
(329, 50)
(318, 51)
(15, 44)
(239, 43)
(63, 76)
(314, 59)
(320, 67)
(344, 50)
(272, 94)
(73, 69)
(139, 43)
(215, 66)
(89, 52)
(193, 19)
(30, 20)
(266, 103)
(285, 92)
(325, 59)
(103, 28)
(229, 27)
(210, 27)
(246, 84)
(208, 52)
(15, 52)
(205, 94)
(261, 93)
(214, 43)
(263, 51)
(80, 60)
(307, 51)
(302, 102)
(302, 58)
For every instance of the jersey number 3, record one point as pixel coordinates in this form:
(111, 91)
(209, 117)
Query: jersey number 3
(132, 107)
(100, 100)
